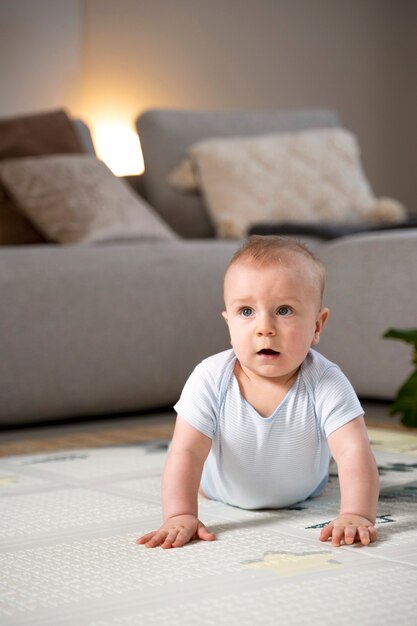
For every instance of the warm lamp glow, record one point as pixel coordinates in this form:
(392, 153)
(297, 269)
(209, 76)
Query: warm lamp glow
(118, 145)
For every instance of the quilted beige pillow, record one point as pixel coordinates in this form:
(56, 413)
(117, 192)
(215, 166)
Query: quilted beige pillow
(76, 199)
(307, 176)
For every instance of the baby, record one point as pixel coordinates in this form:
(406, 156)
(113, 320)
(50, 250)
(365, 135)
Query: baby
(258, 424)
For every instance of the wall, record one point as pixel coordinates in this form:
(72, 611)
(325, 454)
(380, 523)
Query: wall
(105, 58)
(411, 121)
(40, 55)
(354, 55)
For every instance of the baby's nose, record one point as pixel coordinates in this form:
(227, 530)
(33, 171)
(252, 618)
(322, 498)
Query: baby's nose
(267, 332)
(265, 328)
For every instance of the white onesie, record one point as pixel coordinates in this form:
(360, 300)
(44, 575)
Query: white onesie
(267, 462)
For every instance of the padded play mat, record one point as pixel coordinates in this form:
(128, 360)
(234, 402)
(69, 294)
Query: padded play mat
(69, 521)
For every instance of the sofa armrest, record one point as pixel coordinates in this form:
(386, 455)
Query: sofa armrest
(371, 286)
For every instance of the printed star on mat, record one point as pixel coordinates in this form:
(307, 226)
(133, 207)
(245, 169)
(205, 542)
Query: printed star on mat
(290, 564)
(8, 480)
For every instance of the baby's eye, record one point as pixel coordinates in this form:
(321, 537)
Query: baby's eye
(246, 311)
(284, 311)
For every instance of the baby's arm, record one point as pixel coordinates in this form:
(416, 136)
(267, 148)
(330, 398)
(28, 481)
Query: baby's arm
(359, 485)
(180, 482)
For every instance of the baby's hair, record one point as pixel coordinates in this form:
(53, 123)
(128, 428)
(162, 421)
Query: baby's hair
(269, 249)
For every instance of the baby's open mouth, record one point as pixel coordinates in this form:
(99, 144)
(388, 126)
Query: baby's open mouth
(268, 351)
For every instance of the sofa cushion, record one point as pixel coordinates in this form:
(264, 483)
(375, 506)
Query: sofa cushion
(166, 135)
(76, 199)
(310, 176)
(50, 132)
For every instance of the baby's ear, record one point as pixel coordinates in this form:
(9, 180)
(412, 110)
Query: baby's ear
(322, 318)
(224, 316)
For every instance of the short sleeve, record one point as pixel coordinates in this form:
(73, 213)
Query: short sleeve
(335, 400)
(199, 400)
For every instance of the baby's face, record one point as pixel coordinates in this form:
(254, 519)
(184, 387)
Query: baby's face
(274, 316)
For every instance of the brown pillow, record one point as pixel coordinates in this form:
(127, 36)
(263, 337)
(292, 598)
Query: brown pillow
(15, 228)
(24, 136)
(34, 135)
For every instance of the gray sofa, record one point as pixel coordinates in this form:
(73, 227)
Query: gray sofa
(94, 330)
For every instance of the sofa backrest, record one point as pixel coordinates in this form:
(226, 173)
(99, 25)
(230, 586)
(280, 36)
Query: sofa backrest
(165, 135)
(84, 136)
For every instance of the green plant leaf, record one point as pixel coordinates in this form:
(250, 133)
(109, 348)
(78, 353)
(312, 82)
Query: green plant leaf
(406, 402)
(409, 335)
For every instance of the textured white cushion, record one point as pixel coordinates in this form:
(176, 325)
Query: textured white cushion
(77, 199)
(306, 176)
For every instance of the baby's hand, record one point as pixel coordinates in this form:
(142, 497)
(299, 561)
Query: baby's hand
(349, 528)
(176, 532)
